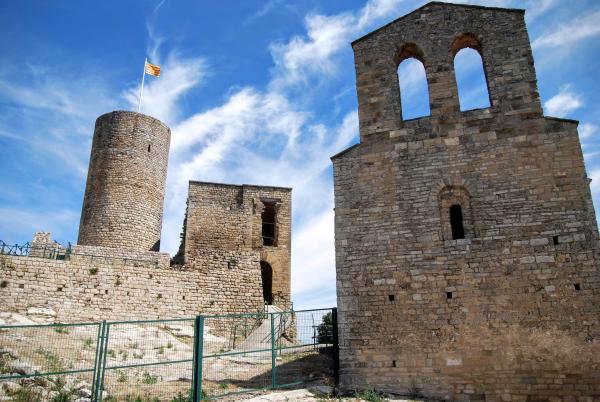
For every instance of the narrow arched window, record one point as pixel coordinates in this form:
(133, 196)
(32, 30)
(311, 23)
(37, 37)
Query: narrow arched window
(456, 222)
(414, 92)
(471, 80)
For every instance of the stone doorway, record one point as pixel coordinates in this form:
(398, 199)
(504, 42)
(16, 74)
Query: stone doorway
(266, 274)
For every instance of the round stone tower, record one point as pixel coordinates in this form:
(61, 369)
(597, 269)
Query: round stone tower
(125, 189)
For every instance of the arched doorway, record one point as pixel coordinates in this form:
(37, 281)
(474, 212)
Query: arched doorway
(266, 274)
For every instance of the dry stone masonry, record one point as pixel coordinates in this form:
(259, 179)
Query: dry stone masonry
(466, 242)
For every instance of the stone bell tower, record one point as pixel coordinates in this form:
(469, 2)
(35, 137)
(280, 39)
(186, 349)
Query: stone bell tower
(466, 241)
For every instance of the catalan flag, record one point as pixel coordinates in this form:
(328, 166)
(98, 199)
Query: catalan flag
(151, 69)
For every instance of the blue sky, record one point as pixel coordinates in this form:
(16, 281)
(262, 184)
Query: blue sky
(257, 92)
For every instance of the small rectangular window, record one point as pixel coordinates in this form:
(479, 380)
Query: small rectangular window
(448, 295)
(391, 297)
(456, 222)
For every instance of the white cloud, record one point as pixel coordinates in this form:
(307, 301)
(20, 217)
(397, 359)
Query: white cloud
(595, 186)
(587, 130)
(563, 103)
(56, 115)
(569, 33)
(536, 8)
(264, 10)
(313, 253)
(296, 60)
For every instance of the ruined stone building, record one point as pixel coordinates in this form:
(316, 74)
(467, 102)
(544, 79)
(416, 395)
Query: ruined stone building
(246, 219)
(235, 252)
(466, 241)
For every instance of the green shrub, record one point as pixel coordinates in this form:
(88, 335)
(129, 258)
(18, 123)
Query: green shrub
(87, 342)
(371, 395)
(148, 378)
(25, 394)
(121, 376)
(61, 330)
(325, 329)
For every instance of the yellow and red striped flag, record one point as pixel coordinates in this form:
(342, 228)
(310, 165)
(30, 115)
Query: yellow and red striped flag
(151, 69)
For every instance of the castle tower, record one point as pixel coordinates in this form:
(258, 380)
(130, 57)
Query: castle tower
(249, 221)
(466, 241)
(124, 195)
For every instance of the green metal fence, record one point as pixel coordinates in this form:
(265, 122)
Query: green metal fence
(250, 352)
(167, 360)
(146, 361)
(48, 362)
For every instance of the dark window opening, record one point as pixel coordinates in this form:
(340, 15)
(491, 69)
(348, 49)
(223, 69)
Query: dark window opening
(148, 147)
(59, 289)
(268, 224)
(21, 286)
(106, 292)
(456, 222)
(3, 284)
(393, 363)
(555, 240)
(391, 297)
(448, 295)
(266, 274)
(577, 286)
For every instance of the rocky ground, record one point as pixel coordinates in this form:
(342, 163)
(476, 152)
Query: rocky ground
(320, 394)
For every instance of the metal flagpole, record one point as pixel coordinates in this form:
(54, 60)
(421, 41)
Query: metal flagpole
(142, 90)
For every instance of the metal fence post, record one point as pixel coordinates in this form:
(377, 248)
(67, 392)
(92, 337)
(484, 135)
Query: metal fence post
(98, 362)
(198, 355)
(336, 346)
(103, 366)
(273, 353)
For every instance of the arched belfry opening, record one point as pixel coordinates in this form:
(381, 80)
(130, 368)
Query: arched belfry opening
(266, 274)
(469, 70)
(412, 82)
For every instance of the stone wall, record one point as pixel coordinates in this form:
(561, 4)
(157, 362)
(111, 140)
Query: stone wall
(125, 188)
(227, 218)
(99, 283)
(512, 311)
